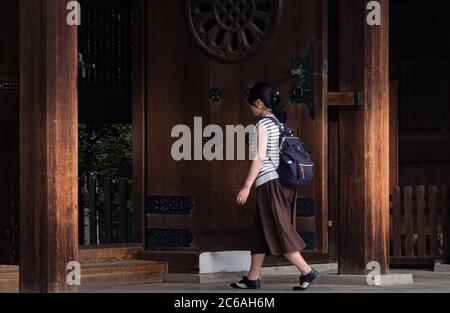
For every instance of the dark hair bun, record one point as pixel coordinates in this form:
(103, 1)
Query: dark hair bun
(271, 98)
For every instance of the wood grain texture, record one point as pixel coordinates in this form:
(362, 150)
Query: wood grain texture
(396, 232)
(49, 156)
(333, 189)
(393, 134)
(432, 203)
(364, 140)
(341, 99)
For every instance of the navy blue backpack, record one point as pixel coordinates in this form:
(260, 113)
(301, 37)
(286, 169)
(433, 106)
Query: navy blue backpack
(296, 168)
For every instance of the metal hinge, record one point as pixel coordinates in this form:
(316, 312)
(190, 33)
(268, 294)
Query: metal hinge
(325, 66)
(360, 98)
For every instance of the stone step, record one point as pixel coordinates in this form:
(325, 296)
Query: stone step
(9, 274)
(111, 253)
(132, 266)
(121, 278)
(101, 274)
(442, 268)
(9, 285)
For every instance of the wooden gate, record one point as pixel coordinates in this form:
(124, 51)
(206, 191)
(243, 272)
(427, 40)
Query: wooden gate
(419, 225)
(105, 211)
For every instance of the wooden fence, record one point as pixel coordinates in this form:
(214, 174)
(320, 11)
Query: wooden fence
(105, 211)
(419, 225)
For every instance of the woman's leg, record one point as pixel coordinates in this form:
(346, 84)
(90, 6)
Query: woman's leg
(257, 264)
(299, 262)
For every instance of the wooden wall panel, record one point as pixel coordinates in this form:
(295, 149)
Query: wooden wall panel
(180, 75)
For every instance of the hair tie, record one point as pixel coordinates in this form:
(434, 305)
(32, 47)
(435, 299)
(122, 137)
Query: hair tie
(276, 95)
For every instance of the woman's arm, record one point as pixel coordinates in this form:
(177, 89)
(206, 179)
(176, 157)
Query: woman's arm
(261, 152)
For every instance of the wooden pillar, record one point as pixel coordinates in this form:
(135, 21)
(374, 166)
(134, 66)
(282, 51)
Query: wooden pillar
(139, 116)
(49, 153)
(364, 139)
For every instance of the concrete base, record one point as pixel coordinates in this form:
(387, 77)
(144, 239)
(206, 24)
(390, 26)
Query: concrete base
(224, 262)
(287, 273)
(201, 278)
(442, 268)
(362, 280)
(425, 281)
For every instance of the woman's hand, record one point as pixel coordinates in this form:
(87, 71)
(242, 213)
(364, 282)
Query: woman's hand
(243, 196)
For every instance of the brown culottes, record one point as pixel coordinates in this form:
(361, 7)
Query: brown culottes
(274, 231)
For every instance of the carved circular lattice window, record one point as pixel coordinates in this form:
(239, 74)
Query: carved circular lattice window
(233, 30)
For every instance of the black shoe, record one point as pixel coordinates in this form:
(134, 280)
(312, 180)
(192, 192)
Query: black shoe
(307, 281)
(246, 283)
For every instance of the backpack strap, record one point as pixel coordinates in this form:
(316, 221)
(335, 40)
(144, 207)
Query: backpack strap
(277, 122)
(281, 128)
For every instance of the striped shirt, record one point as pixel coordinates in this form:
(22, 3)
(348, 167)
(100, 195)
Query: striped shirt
(269, 168)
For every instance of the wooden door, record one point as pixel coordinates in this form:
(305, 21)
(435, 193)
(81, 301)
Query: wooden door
(9, 130)
(191, 204)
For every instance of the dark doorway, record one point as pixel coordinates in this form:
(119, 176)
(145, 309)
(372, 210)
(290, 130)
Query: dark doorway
(105, 122)
(419, 73)
(9, 131)
(420, 65)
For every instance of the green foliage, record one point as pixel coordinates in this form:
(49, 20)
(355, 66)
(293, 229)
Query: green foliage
(105, 150)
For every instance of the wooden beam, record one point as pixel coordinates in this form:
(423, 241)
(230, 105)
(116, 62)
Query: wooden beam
(48, 144)
(345, 98)
(341, 99)
(364, 140)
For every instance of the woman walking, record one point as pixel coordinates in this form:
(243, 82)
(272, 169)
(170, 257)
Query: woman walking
(273, 231)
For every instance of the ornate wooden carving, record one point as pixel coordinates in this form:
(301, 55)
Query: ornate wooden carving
(232, 30)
